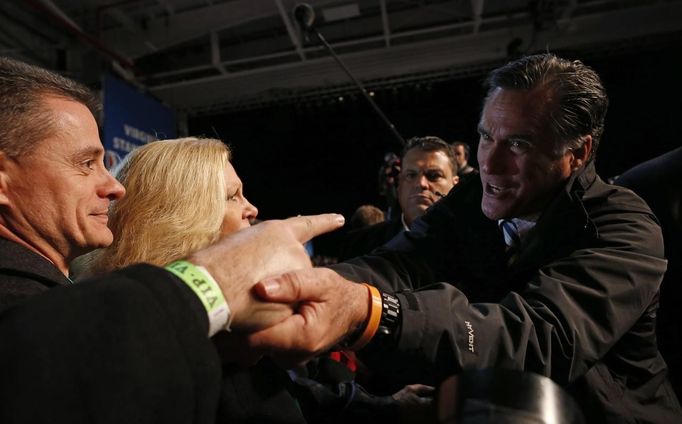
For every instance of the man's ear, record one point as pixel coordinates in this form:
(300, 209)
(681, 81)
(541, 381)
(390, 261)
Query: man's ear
(582, 153)
(4, 178)
(455, 179)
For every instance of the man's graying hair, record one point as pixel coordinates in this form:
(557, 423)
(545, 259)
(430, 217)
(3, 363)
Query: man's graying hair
(24, 119)
(581, 100)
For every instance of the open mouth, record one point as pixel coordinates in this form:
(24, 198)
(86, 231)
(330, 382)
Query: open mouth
(496, 190)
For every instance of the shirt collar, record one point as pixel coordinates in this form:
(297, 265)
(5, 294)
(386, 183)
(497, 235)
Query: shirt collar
(402, 220)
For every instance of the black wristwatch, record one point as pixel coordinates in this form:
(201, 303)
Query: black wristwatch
(389, 327)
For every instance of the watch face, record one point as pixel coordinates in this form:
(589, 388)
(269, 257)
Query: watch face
(391, 310)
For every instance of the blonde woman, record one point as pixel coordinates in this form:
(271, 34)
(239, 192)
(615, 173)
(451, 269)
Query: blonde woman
(182, 195)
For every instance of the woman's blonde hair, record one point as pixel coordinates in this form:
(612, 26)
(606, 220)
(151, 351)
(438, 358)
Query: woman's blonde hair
(174, 203)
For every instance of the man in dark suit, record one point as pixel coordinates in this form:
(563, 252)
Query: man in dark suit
(428, 171)
(657, 181)
(54, 189)
(132, 346)
(551, 270)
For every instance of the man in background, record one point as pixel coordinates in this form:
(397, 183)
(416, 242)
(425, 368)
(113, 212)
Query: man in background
(366, 216)
(461, 151)
(428, 171)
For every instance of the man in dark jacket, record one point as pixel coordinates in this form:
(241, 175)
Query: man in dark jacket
(134, 345)
(657, 182)
(54, 189)
(551, 270)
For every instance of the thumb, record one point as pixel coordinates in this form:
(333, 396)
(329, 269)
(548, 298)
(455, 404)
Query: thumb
(285, 288)
(422, 389)
(312, 284)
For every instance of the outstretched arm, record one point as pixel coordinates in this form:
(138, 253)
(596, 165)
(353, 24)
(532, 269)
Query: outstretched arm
(134, 343)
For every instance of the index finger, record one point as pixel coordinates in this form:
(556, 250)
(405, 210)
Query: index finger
(307, 227)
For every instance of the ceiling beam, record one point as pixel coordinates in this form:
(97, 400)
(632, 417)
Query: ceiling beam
(188, 25)
(215, 52)
(191, 24)
(51, 11)
(445, 53)
(20, 42)
(295, 39)
(384, 22)
(477, 12)
(122, 18)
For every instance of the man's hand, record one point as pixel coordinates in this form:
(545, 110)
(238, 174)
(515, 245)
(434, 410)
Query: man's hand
(328, 308)
(240, 260)
(415, 402)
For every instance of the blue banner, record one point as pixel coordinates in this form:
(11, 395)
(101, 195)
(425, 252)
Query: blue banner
(132, 119)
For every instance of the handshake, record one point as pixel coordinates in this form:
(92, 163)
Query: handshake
(279, 304)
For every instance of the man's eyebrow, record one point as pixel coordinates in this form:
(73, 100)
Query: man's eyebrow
(88, 152)
(527, 138)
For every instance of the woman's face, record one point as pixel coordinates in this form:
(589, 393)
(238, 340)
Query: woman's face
(238, 210)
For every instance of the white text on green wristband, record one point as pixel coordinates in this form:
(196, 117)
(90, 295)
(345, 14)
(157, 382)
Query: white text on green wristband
(208, 290)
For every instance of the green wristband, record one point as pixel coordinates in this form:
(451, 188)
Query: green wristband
(208, 290)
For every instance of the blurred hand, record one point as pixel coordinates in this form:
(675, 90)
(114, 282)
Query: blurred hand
(241, 259)
(328, 308)
(415, 403)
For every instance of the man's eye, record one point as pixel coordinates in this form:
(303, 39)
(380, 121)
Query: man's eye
(519, 146)
(484, 137)
(433, 176)
(90, 164)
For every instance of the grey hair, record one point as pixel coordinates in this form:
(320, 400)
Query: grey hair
(581, 101)
(24, 117)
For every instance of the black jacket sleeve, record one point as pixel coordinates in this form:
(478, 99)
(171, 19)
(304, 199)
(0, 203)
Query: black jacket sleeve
(131, 346)
(594, 275)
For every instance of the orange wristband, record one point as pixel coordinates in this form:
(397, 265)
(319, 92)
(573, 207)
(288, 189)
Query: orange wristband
(373, 320)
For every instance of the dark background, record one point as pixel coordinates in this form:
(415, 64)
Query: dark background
(319, 156)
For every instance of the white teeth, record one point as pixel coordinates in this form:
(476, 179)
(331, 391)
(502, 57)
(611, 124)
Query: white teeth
(496, 189)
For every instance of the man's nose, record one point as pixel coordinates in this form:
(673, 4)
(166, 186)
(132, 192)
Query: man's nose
(423, 182)
(492, 160)
(111, 188)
